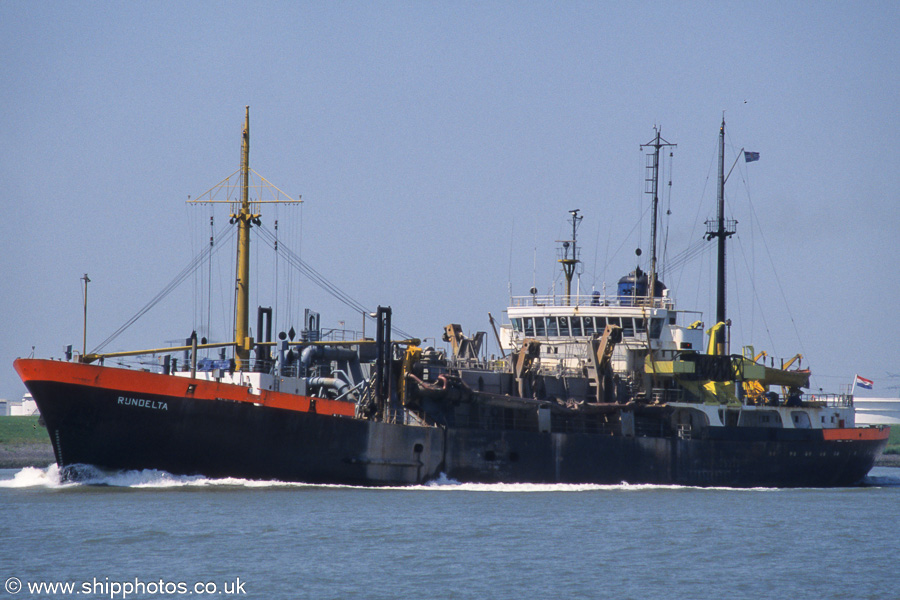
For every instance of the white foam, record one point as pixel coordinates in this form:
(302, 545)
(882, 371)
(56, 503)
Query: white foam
(34, 477)
(444, 484)
(51, 477)
(162, 479)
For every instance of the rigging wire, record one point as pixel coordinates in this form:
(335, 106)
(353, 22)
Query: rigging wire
(755, 219)
(186, 272)
(640, 204)
(686, 256)
(775, 272)
(596, 252)
(625, 239)
(699, 208)
(758, 303)
(231, 275)
(191, 223)
(294, 260)
(740, 315)
(212, 236)
(667, 216)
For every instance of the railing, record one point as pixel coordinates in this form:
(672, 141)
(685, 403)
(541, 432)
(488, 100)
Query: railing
(835, 400)
(665, 395)
(592, 300)
(340, 335)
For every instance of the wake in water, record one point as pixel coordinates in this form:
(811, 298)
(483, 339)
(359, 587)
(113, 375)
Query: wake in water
(86, 475)
(444, 483)
(883, 477)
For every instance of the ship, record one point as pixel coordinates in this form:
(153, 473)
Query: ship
(601, 389)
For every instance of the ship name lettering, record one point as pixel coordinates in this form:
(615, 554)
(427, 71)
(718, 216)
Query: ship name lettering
(143, 403)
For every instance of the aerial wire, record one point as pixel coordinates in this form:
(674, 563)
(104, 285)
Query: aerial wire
(186, 272)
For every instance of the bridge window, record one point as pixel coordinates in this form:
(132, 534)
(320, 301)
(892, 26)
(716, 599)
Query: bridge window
(529, 326)
(564, 326)
(601, 324)
(576, 326)
(517, 324)
(540, 328)
(640, 325)
(627, 327)
(656, 324)
(588, 325)
(552, 330)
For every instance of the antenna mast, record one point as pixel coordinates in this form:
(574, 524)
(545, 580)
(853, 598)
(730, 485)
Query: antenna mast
(721, 229)
(569, 261)
(652, 182)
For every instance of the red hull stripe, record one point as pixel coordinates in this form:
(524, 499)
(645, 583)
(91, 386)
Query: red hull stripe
(142, 382)
(858, 433)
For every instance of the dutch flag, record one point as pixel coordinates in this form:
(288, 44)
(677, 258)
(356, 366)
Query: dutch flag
(864, 383)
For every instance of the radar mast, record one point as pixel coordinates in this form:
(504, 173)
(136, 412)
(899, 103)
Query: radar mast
(570, 259)
(652, 188)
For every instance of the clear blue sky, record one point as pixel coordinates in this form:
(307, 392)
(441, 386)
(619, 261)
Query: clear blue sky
(438, 148)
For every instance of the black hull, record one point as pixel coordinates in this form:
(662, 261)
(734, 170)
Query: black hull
(587, 458)
(221, 438)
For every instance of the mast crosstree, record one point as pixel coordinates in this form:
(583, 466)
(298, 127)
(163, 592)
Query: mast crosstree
(569, 261)
(722, 229)
(245, 214)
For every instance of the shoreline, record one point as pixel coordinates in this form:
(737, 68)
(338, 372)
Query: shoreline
(19, 456)
(40, 454)
(888, 460)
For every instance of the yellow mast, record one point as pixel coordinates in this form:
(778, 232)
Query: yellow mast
(242, 342)
(245, 218)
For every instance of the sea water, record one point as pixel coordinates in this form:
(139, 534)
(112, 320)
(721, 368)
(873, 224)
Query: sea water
(153, 535)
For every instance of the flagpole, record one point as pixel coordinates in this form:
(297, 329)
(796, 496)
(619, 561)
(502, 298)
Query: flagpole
(853, 386)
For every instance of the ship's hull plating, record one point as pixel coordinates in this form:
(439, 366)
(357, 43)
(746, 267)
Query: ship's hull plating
(586, 458)
(221, 438)
(115, 429)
